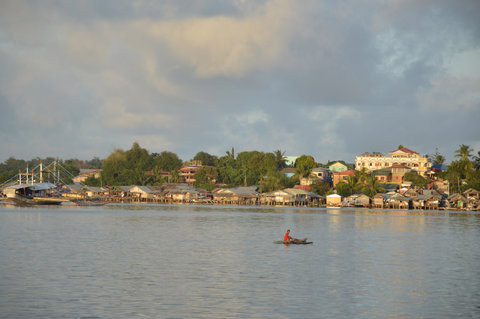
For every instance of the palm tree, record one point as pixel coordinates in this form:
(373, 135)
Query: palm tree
(372, 187)
(464, 152)
(438, 158)
(455, 174)
(477, 161)
(280, 159)
(361, 175)
(352, 181)
(231, 154)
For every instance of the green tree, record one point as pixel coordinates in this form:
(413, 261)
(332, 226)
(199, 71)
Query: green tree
(205, 178)
(319, 187)
(344, 189)
(438, 158)
(473, 180)
(231, 154)
(476, 161)
(455, 174)
(207, 159)
(127, 167)
(372, 186)
(92, 181)
(139, 158)
(245, 166)
(157, 179)
(354, 183)
(95, 163)
(464, 152)
(270, 163)
(280, 159)
(227, 172)
(175, 176)
(167, 161)
(304, 165)
(416, 179)
(274, 181)
(114, 168)
(253, 166)
(10, 167)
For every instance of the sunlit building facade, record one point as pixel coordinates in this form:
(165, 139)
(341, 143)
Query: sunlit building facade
(402, 156)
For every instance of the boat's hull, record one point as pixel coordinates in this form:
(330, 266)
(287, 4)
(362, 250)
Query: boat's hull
(294, 242)
(33, 194)
(88, 202)
(23, 200)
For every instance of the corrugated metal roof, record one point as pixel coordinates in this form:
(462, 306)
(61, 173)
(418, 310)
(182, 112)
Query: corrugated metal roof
(296, 191)
(35, 186)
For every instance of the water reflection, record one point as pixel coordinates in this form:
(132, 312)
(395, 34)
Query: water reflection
(201, 262)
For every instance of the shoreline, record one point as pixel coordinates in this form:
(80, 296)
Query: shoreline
(126, 203)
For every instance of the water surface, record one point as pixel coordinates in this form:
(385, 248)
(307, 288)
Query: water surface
(220, 262)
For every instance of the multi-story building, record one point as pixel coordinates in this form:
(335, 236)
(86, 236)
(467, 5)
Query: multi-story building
(402, 156)
(188, 170)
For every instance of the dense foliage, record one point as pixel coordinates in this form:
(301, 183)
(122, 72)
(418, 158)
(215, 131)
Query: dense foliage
(416, 179)
(137, 166)
(463, 173)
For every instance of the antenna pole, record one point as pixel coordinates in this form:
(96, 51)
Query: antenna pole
(55, 170)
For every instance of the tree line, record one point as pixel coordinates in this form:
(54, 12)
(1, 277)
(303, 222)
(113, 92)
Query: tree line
(137, 166)
(464, 172)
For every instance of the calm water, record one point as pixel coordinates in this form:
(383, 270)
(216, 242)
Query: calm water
(220, 262)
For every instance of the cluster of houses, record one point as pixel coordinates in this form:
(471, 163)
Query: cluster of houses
(183, 193)
(186, 194)
(417, 199)
(388, 170)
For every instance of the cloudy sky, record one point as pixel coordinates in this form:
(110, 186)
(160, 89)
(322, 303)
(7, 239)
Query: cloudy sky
(331, 79)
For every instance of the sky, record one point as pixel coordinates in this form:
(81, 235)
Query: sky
(331, 79)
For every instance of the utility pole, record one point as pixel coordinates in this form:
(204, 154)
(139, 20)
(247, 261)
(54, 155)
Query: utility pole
(55, 170)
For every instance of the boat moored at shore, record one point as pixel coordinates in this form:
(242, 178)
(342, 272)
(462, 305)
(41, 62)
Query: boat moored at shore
(33, 194)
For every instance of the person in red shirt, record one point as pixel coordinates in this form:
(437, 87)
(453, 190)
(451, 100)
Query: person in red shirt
(287, 236)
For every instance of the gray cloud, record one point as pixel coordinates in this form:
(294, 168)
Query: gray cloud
(330, 79)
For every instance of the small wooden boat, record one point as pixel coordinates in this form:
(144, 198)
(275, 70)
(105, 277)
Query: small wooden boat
(88, 202)
(294, 242)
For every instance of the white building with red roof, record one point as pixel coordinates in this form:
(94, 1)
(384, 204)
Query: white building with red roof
(402, 156)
